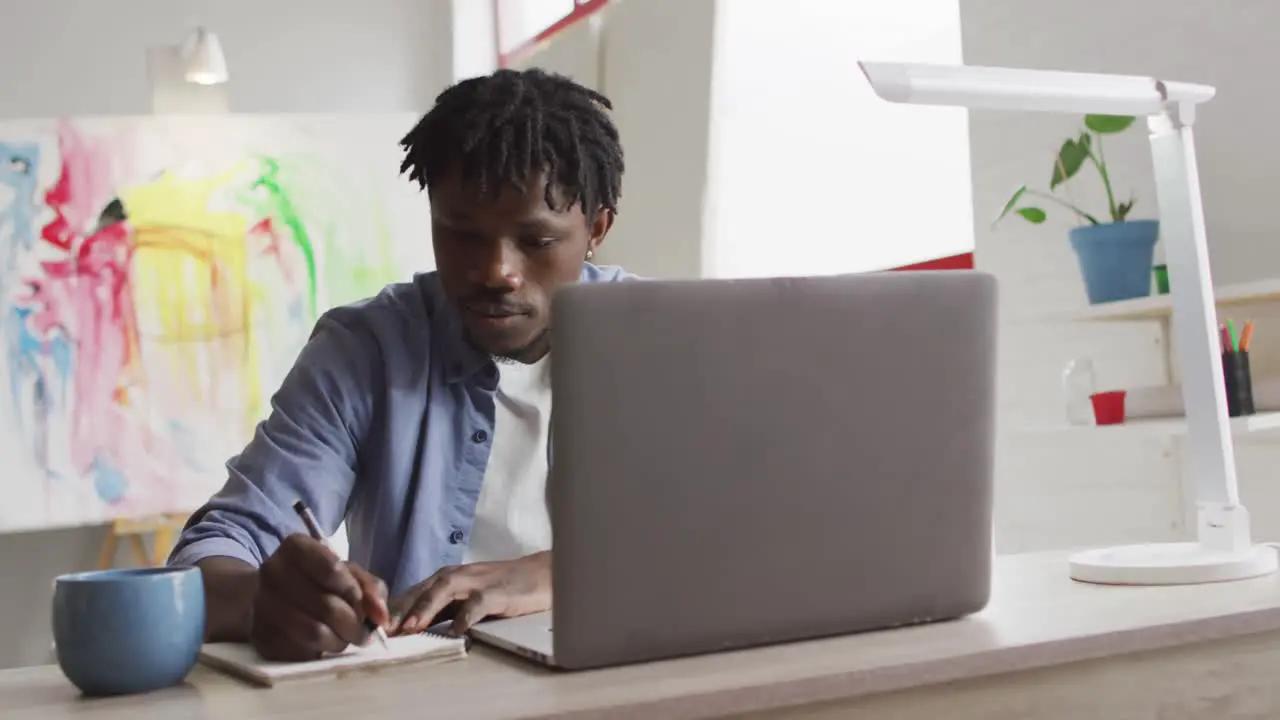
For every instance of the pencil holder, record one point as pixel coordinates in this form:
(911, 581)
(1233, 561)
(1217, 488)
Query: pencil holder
(1235, 370)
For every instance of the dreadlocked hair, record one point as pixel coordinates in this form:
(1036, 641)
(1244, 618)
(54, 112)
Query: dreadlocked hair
(505, 128)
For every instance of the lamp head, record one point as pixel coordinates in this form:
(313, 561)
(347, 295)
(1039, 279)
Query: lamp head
(993, 88)
(204, 60)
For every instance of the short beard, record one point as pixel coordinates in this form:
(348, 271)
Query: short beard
(517, 355)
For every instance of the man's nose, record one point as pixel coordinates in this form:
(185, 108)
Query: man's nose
(499, 266)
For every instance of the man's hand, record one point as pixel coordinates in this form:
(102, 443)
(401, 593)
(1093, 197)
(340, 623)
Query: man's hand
(493, 589)
(310, 602)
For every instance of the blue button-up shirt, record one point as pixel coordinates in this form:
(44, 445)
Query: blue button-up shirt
(386, 421)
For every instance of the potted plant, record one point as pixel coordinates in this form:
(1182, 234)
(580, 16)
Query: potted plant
(1115, 256)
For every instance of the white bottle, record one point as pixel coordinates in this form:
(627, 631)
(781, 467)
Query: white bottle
(1078, 387)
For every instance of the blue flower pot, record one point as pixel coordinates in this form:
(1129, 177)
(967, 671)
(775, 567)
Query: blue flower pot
(1116, 259)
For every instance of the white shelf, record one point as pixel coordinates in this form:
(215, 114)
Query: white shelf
(1156, 307)
(1165, 427)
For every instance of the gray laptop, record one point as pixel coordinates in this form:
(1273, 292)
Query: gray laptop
(745, 462)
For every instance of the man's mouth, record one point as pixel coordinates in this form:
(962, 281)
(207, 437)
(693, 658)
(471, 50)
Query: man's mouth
(489, 310)
(495, 316)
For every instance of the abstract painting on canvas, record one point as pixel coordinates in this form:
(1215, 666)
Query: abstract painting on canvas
(158, 276)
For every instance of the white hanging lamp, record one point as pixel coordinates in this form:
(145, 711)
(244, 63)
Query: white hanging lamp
(203, 59)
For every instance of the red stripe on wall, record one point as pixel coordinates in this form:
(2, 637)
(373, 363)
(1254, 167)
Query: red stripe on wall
(581, 10)
(954, 262)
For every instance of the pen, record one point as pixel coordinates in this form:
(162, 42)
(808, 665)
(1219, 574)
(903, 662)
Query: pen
(313, 527)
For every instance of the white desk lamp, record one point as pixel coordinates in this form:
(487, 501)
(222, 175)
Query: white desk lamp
(1223, 550)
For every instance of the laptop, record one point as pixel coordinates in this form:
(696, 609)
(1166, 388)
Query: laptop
(746, 462)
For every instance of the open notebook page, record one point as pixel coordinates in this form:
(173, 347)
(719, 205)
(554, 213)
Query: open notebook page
(243, 661)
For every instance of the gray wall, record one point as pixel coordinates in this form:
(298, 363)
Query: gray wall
(77, 57)
(1058, 489)
(657, 71)
(661, 94)
(1228, 44)
(89, 57)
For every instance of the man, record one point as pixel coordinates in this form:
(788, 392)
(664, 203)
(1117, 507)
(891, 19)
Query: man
(420, 416)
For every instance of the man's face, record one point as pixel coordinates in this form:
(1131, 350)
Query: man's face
(501, 260)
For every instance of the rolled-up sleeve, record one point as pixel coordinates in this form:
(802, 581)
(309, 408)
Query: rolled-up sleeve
(305, 450)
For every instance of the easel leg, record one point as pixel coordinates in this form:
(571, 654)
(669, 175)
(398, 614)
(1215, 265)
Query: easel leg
(140, 554)
(162, 545)
(107, 556)
(163, 530)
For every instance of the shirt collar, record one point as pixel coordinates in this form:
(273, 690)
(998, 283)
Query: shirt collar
(462, 361)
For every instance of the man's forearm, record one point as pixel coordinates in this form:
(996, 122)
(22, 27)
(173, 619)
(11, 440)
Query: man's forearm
(229, 588)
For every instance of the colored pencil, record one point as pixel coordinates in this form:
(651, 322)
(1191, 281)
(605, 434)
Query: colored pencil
(1231, 334)
(1246, 335)
(1224, 338)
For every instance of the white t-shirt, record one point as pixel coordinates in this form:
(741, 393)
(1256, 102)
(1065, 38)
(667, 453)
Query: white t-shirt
(511, 515)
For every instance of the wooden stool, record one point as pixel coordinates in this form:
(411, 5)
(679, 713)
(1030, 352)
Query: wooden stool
(164, 528)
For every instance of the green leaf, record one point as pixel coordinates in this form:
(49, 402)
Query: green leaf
(1070, 159)
(1008, 207)
(1122, 210)
(1032, 214)
(1107, 124)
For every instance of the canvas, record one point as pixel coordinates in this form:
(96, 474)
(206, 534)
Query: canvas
(158, 276)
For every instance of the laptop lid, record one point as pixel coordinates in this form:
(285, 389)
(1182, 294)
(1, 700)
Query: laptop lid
(741, 462)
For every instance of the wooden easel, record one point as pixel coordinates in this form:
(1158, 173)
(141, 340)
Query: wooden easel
(163, 528)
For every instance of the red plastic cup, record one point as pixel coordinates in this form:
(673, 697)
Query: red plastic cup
(1108, 407)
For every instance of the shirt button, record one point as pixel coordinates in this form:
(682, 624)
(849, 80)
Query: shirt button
(455, 537)
(479, 436)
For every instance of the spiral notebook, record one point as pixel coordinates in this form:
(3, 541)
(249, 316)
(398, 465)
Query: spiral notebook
(243, 661)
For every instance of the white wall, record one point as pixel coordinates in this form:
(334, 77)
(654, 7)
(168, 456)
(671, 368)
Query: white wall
(652, 59)
(759, 106)
(1057, 489)
(523, 20)
(88, 57)
(77, 57)
(474, 41)
(767, 127)
(811, 173)
(657, 71)
(576, 53)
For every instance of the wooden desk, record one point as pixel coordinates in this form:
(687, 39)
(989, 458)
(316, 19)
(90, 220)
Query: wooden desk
(1046, 648)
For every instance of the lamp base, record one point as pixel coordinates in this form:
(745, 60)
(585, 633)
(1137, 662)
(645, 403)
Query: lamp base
(1184, 563)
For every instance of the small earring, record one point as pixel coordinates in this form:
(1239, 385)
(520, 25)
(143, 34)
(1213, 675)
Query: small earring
(590, 254)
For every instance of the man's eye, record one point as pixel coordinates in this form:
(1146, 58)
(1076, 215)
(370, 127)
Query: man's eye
(538, 242)
(463, 235)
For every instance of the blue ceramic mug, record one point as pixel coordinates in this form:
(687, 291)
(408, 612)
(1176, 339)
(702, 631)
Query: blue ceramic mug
(128, 631)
